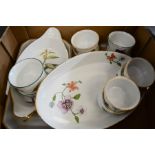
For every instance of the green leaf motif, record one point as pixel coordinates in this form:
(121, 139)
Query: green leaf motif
(118, 63)
(52, 57)
(54, 98)
(76, 97)
(76, 118)
(80, 81)
(51, 66)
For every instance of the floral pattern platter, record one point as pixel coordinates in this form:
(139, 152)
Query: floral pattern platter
(67, 98)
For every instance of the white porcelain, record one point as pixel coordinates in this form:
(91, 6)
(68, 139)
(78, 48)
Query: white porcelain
(121, 93)
(120, 41)
(50, 41)
(84, 75)
(21, 104)
(11, 121)
(102, 104)
(140, 71)
(77, 53)
(26, 75)
(85, 41)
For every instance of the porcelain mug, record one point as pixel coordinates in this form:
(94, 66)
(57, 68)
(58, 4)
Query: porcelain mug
(26, 75)
(120, 41)
(120, 95)
(140, 71)
(85, 41)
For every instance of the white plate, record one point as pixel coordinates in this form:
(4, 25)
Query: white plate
(90, 71)
(52, 42)
(21, 108)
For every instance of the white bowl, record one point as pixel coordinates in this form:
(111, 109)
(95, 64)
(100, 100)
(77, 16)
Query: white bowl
(26, 75)
(140, 71)
(121, 94)
(85, 41)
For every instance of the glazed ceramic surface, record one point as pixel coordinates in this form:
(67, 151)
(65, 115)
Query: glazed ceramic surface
(85, 41)
(120, 41)
(140, 71)
(49, 48)
(67, 98)
(26, 75)
(23, 106)
(121, 93)
(10, 121)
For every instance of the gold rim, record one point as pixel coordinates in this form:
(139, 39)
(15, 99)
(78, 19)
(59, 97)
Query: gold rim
(24, 117)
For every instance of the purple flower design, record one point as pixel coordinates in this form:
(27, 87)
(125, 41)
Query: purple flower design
(65, 105)
(67, 102)
(82, 111)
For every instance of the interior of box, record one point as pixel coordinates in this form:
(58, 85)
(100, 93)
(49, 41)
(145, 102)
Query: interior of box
(14, 36)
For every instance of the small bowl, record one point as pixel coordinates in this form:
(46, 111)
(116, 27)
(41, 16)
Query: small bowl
(26, 75)
(140, 71)
(121, 94)
(85, 41)
(103, 105)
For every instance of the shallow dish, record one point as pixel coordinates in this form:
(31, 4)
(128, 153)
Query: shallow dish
(49, 49)
(67, 98)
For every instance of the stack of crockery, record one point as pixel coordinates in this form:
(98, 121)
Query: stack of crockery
(121, 94)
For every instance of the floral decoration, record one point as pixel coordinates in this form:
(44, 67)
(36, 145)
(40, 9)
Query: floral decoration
(113, 59)
(66, 104)
(47, 55)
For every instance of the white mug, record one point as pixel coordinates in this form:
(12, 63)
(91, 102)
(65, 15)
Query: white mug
(120, 41)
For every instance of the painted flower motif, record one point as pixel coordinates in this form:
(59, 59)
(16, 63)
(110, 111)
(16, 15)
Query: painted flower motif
(72, 86)
(112, 57)
(65, 105)
(82, 111)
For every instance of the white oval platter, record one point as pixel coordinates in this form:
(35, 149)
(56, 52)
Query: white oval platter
(67, 98)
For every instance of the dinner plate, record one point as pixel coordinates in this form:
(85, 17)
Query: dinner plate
(67, 98)
(23, 106)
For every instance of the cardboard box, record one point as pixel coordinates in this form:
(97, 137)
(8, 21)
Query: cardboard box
(14, 36)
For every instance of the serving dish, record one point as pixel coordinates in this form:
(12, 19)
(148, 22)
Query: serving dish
(67, 98)
(10, 121)
(23, 107)
(49, 49)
